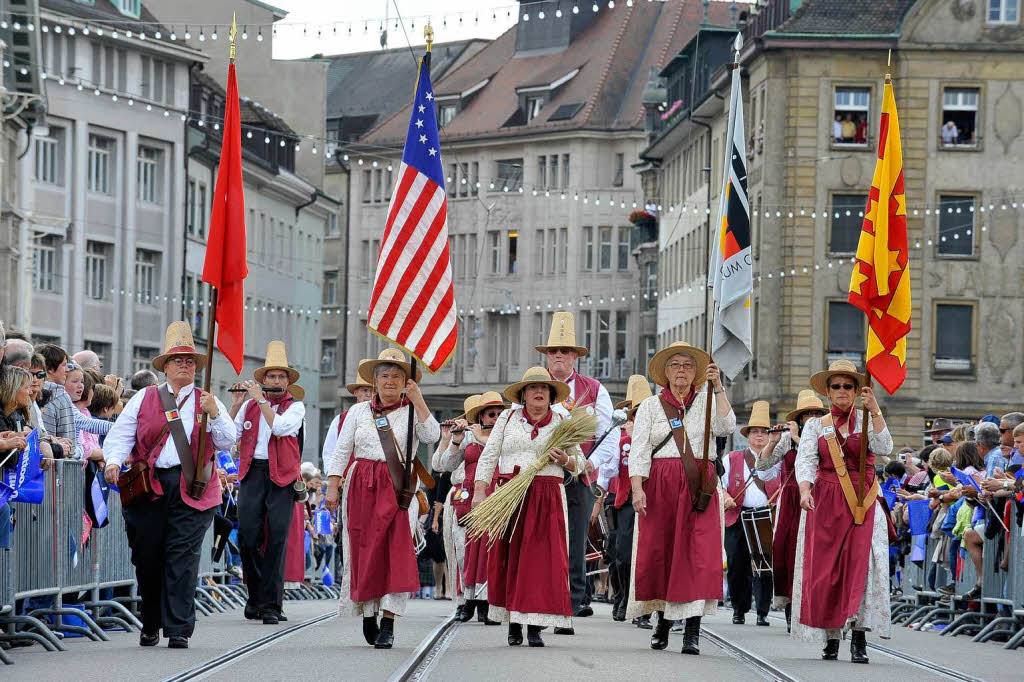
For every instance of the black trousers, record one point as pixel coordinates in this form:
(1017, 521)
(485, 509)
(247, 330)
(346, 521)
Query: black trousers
(622, 552)
(165, 536)
(264, 520)
(580, 502)
(744, 586)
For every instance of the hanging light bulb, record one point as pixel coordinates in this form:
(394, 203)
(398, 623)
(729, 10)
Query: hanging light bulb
(202, 36)
(594, 7)
(575, 8)
(174, 36)
(188, 34)
(213, 36)
(245, 33)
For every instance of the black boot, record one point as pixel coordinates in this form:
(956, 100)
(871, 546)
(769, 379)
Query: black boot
(465, 612)
(533, 635)
(370, 629)
(643, 622)
(386, 638)
(858, 647)
(691, 636)
(831, 650)
(659, 640)
(515, 634)
(789, 617)
(481, 614)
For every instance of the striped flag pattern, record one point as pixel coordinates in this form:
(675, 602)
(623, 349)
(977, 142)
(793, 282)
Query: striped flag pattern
(413, 300)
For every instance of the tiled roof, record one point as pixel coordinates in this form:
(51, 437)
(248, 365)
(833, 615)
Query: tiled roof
(847, 17)
(105, 12)
(251, 112)
(614, 55)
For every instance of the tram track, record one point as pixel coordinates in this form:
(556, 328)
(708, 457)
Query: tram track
(418, 664)
(762, 665)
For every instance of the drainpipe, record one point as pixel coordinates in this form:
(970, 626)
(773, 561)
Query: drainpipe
(312, 200)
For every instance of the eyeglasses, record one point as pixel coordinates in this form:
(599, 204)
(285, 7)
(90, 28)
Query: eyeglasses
(40, 374)
(186, 361)
(845, 387)
(72, 366)
(680, 365)
(1002, 430)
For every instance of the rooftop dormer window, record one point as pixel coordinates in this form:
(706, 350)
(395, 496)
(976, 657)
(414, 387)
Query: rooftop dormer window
(533, 107)
(129, 8)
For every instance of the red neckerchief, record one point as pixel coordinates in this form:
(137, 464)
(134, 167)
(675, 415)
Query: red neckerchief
(841, 418)
(377, 407)
(674, 402)
(276, 399)
(537, 424)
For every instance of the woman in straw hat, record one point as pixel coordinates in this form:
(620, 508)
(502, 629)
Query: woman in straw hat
(841, 580)
(469, 436)
(777, 462)
(620, 498)
(380, 567)
(677, 549)
(528, 571)
(362, 391)
(165, 532)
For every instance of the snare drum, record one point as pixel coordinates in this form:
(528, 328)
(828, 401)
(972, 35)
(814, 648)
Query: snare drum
(757, 528)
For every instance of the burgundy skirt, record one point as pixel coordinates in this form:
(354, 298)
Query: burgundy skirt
(528, 572)
(787, 527)
(836, 556)
(381, 556)
(295, 555)
(475, 569)
(679, 549)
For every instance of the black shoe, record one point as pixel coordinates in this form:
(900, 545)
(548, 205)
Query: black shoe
(281, 617)
(370, 629)
(858, 647)
(565, 631)
(147, 639)
(177, 642)
(386, 637)
(789, 617)
(251, 612)
(464, 612)
(643, 622)
(584, 612)
(972, 594)
(482, 609)
(738, 619)
(762, 620)
(831, 650)
(947, 589)
(659, 640)
(619, 615)
(533, 635)
(515, 634)
(270, 617)
(691, 636)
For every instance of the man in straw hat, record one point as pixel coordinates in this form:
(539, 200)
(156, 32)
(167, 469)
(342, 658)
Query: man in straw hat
(841, 579)
(268, 418)
(166, 531)
(362, 391)
(562, 352)
(744, 490)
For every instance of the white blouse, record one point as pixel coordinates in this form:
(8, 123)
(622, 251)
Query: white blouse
(510, 445)
(650, 427)
(360, 433)
(807, 454)
(770, 467)
(454, 458)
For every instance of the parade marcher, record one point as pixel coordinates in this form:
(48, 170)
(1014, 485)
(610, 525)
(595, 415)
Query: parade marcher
(777, 462)
(677, 546)
(268, 418)
(361, 391)
(584, 392)
(528, 570)
(744, 490)
(620, 508)
(165, 532)
(841, 579)
(380, 565)
(469, 438)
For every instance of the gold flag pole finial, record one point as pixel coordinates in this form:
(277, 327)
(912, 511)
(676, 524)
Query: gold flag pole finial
(234, 32)
(888, 65)
(428, 34)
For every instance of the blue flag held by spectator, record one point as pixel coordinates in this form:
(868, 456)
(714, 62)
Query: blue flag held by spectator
(226, 462)
(920, 514)
(965, 478)
(323, 522)
(25, 481)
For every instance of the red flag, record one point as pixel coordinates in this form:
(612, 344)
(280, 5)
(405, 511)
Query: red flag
(225, 265)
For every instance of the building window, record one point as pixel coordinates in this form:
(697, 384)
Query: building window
(565, 171)
(100, 149)
(954, 338)
(959, 117)
(196, 217)
(328, 356)
(145, 275)
(850, 116)
(563, 249)
(49, 158)
(622, 368)
(45, 263)
(102, 351)
(142, 357)
(367, 186)
(956, 225)
(1003, 11)
(96, 270)
(847, 218)
(150, 182)
(539, 257)
(651, 285)
(513, 241)
(445, 114)
(603, 365)
(474, 179)
(128, 8)
(620, 169)
(494, 251)
(331, 287)
(463, 179)
(332, 225)
(605, 258)
(533, 107)
(623, 248)
(452, 181)
(510, 175)
(542, 172)
(845, 333)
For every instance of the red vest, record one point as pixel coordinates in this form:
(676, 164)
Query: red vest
(621, 485)
(149, 443)
(282, 451)
(735, 484)
(587, 390)
(341, 420)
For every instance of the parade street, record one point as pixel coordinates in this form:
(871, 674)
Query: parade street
(331, 648)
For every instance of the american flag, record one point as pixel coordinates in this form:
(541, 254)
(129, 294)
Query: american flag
(413, 301)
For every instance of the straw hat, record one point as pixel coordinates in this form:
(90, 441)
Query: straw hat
(468, 404)
(537, 375)
(637, 389)
(298, 392)
(178, 341)
(656, 367)
(563, 334)
(359, 382)
(820, 380)
(760, 415)
(806, 401)
(277, 358)
(488, 399)
(388, 356)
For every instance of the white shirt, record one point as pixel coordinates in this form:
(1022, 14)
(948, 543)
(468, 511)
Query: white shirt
(753, 496)
(359, 433)
(605, 457)
(119, 442)
(330, 439)
(287, 423)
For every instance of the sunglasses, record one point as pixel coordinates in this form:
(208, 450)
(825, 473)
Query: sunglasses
(845, 387)
(40, 374)
(1001, 430)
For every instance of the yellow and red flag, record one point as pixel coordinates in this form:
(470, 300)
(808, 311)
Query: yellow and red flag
(880, 285)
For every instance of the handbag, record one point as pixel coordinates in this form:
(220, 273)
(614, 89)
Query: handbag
(424, 503)
(134, 484)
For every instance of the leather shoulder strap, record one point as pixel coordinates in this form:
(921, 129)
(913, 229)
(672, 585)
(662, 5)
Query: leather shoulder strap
(678, 430)
(392, 453)
(177, 430)
(857, 509)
